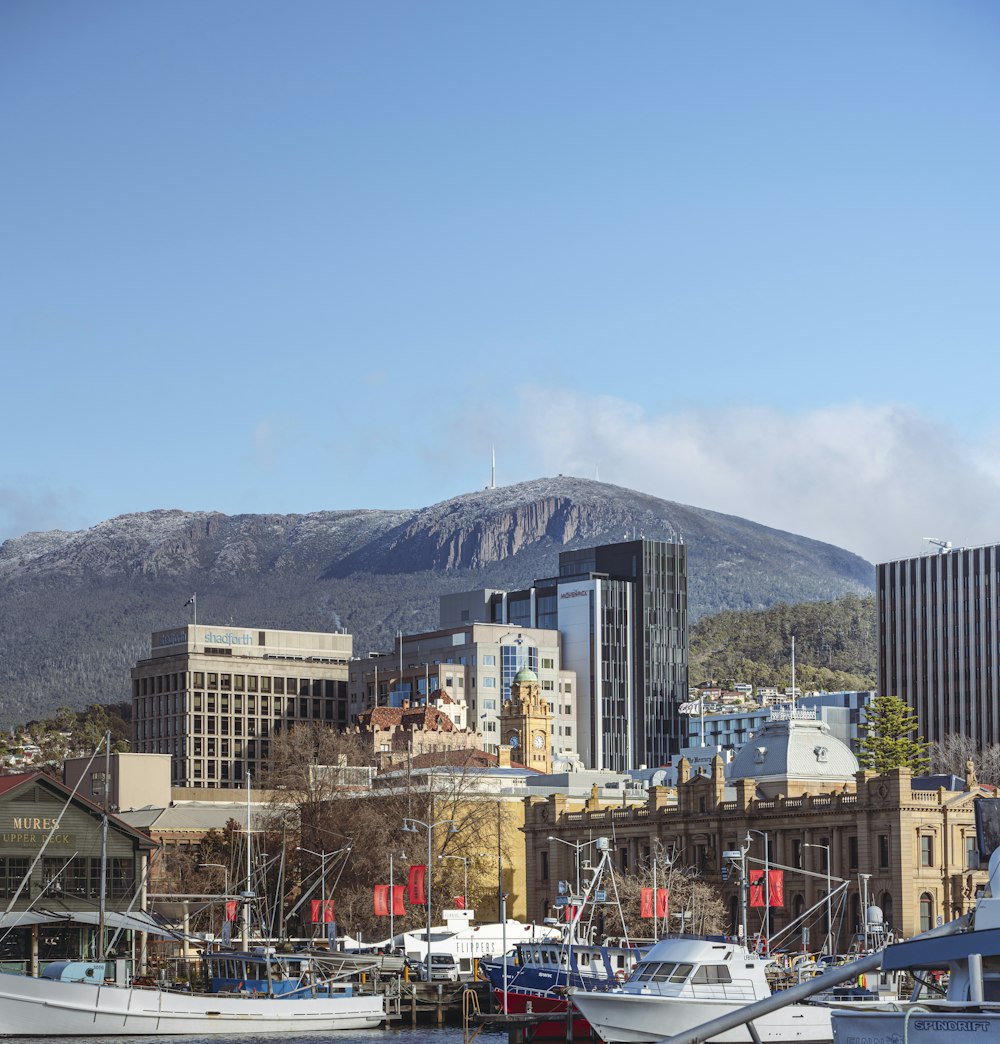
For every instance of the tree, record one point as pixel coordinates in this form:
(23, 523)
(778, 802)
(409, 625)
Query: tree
(886, 743)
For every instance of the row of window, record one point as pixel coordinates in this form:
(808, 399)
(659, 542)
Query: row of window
(79, 876)
(220, 681)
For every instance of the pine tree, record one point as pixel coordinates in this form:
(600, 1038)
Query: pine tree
(886, 743)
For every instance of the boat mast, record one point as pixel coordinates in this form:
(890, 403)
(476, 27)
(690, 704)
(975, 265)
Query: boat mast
(249, 883)
(103, 893)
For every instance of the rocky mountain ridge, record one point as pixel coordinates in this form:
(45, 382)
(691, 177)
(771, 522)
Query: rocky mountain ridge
(77, 608)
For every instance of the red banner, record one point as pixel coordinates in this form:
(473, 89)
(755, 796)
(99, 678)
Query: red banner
(776, 887)
(418, 874)
(646, 902)
(232, 909)
(322, 911)
(571, 912)
(776, 880)
(397, 900)
(459, 902)
(381, 900)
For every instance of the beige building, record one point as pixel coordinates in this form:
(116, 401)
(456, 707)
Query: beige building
(801, 787)
(136, 780)
(474, 666)
(211, 697)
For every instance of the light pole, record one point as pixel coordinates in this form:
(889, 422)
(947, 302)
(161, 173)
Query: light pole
(828, 937)
(322, 857)
(465, 868)
(577, 846)
(767, 886)
(225, 887)
(392, 902)
(412, 826)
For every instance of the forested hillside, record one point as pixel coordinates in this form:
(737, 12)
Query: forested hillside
(835, 645)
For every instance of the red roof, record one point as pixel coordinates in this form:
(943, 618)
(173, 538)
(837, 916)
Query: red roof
(407, 717)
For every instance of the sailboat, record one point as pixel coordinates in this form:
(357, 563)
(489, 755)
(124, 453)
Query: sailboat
(249, 991)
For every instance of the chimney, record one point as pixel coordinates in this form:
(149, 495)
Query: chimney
(503, 756)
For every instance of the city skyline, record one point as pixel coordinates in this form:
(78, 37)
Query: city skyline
(739, 258)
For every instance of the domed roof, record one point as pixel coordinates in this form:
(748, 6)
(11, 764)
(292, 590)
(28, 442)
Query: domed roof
(793, 744)
(525, 674)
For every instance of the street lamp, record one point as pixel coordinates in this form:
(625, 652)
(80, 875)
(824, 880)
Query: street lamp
(225, 871)
(411, 826)
(577, 846)
(465, 866)
(392, 901)
(322, 857)
(828, 937)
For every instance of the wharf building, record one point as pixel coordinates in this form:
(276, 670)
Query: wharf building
(938, 635)
(211, 697)
(622, 613)
(796, 789)
(466, 673)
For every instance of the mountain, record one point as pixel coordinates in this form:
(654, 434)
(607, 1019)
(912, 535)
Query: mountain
(77, 609)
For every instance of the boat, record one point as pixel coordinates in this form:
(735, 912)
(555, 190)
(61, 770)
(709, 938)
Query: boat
(245, 993)
(968, 1008)
(532, 979)
(686, 980)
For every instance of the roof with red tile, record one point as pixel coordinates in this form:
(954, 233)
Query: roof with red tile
(406, 717)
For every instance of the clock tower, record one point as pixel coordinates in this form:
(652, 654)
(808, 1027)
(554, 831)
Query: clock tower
(525, 722)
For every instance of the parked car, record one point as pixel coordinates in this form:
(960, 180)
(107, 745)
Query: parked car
(443, 968)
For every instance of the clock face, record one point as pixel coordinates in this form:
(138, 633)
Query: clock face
(512, 739)
(539, 741)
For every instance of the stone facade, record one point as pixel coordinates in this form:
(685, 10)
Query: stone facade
(916, 844)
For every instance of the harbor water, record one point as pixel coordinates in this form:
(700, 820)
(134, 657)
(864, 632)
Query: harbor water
(420, 1035)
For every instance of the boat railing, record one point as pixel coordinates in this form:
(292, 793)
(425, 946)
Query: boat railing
(739, 990)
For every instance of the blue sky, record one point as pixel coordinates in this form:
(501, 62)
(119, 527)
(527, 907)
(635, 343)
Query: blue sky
(291, 257)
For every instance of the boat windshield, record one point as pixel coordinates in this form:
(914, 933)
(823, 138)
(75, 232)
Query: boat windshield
(661, 971)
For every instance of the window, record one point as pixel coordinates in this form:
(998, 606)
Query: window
(852, 852)
(796, 852)
(712, 973)
(548, 665)
(543, 867)
(926, 850)
(971, 852)
(489, 661)
(489, 683)
(926, 912)
(883, 851)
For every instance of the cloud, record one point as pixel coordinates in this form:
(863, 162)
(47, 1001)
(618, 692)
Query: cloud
(872, 479)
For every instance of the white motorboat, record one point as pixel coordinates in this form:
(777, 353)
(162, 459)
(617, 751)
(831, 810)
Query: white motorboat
(685, 981)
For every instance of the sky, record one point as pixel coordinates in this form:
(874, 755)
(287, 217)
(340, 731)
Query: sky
(290, 257)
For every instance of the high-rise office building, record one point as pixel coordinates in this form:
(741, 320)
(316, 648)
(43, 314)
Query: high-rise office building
(621, 610)
(938, 633)
(212, 697)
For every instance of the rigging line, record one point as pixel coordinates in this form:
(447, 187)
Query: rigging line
(45, 888)
(128, 909)
(48, 837)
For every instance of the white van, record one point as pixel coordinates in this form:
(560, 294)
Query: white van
(443, 968)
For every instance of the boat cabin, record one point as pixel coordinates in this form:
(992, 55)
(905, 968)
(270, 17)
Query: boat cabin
(703, 967)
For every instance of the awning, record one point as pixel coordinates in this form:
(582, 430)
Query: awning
(136, 921)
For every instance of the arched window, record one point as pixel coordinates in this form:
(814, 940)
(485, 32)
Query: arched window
(798, 904)
(886, 905)
(926, 912)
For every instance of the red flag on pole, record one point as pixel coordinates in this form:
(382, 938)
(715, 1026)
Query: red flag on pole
(418, 874)
(381, 898)
(232, 908)
(397, 900)
(322, 911)
(646, 902)
(459, 902)
(776, 882)
(571, 912)
(756, 887)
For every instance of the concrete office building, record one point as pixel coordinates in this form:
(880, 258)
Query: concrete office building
(473, 665)
(211, 697)
(938, 617)
(621, 610)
